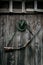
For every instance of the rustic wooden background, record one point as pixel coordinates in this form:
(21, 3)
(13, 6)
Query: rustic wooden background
(33, 53)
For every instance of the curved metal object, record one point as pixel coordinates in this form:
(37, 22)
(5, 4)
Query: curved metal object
(21, 25)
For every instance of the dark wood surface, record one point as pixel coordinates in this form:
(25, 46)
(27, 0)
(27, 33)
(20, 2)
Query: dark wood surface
(33, 53)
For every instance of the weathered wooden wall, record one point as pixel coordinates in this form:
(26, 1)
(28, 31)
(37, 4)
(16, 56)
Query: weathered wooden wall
(33, 53)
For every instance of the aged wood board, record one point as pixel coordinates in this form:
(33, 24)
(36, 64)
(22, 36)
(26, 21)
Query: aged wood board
(32, 54)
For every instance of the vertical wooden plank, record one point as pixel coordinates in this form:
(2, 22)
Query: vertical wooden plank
(10, 6)
(23, 6)
(0, 42)
(35, 5)
(42, 49)
(21, 57)
(2, 38)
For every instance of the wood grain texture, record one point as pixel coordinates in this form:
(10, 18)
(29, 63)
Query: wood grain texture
(33, 53)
